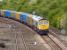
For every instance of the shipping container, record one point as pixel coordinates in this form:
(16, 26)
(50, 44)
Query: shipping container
(17, 16)
(13, 14)
(24, 17)
(3, 12)
(7, 13)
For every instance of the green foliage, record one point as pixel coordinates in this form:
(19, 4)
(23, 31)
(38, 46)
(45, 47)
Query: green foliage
(51, 9)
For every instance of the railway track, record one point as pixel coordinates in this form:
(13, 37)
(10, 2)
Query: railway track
(60, 43)
(17, 36)
(54, 42)
(9, 35)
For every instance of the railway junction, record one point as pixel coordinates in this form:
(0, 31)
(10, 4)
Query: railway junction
(17, 36)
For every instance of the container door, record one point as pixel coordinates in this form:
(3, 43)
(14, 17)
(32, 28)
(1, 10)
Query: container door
(24, 18)
(13, 15)
(31, 21)
(17, 16)
(21, 18)
(2, 13)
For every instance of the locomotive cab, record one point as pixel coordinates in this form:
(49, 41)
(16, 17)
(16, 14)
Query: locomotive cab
(43, 26)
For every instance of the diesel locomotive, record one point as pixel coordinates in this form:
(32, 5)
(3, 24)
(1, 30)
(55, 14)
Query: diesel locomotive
(37, 23)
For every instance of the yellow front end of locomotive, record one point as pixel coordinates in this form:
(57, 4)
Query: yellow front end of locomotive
(44, 25)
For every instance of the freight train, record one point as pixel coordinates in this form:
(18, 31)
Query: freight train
(37, 23)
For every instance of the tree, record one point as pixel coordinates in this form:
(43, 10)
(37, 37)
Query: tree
(51, 9)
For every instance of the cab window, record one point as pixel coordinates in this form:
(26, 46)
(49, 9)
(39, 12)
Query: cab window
(39, 22)
(42, 22)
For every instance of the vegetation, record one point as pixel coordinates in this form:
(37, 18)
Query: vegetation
(54, 10)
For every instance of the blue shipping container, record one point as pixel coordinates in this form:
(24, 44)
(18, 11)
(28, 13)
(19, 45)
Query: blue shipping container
(7, 13)
(23, 18)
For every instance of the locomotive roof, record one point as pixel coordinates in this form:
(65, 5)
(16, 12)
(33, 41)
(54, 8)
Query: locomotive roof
(37, 18)
(34, 17)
